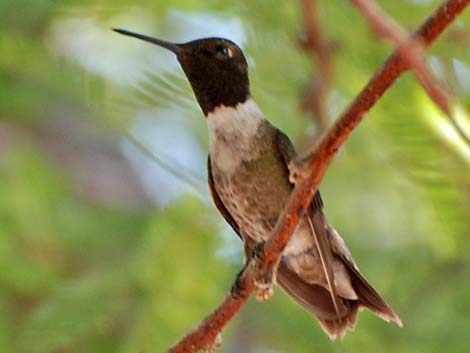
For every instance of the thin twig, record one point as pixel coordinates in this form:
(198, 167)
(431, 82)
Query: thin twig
(319, 46)
(386, 27)
(316, 164)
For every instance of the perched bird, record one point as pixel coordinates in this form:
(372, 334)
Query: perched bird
(249, 182)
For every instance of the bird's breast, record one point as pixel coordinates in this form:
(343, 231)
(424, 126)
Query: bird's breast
(234, 135)
(254, 191)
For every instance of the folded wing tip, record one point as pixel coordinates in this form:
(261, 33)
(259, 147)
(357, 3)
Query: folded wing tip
(390, 317)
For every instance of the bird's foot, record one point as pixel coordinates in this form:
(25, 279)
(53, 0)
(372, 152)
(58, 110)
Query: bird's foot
(238, 289)
(299, 169)
(264, 280)
(212, 347)
(263, 283)
(264, 291)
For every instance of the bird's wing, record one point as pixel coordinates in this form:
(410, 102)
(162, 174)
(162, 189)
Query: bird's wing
(218, 202)
(248, 244)
(316, 222)
(287, 151)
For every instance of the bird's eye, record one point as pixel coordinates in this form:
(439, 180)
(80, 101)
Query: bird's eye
(222, 50)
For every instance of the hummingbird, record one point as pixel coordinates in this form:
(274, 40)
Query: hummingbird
(249, 181)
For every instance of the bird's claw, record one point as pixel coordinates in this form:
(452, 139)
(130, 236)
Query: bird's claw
(264, 283)
(264, 291)
(212, 347)
(238, 289)
(264, 278)
(298, 170)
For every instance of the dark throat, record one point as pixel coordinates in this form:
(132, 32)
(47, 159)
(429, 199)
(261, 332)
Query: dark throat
(213, 93)
(215, 89)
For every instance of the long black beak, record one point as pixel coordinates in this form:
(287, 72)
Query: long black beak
(175, 48)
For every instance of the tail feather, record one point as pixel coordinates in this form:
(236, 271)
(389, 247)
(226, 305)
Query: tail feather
(318, 231)
(317, 300)
(368, 296)
(337, 328)
(312, 297)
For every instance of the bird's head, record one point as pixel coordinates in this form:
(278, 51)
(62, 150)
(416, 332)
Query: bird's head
(215, 67)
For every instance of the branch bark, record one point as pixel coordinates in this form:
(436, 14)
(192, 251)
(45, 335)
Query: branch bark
(386, 27)
(313, 167)
(320, 48)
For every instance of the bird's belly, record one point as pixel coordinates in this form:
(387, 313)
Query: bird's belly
(255, 200)
(251, 208)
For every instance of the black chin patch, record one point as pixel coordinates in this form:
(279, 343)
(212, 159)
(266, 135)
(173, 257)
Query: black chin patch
(216, 78)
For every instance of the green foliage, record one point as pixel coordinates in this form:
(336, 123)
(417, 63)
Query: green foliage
(171, 301)
(89, 264)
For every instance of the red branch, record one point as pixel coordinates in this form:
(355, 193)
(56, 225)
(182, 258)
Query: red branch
(388, 28)
(315, 166)
(315, 42)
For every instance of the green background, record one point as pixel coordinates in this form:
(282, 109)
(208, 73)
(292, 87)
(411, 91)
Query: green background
(97, 256)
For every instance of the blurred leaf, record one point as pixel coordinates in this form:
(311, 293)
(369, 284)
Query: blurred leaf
(97, 299)
(82, 276)
(179, 275)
